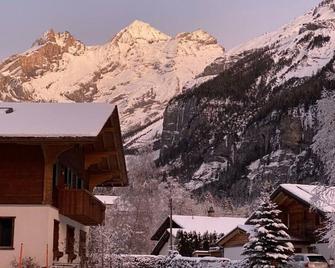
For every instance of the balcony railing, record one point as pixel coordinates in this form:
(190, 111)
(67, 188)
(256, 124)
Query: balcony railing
(81, 206)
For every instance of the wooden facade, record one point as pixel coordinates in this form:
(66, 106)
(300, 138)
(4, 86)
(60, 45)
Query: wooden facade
(81, 206)
(62, 171)
(302, 221)
(21, 174)
(236, 238)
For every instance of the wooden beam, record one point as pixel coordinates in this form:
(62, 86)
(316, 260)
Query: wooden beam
(97, 178)
(109, 129)
(51, 152)
(96, 157)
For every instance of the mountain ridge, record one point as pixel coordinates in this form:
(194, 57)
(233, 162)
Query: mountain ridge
(140, 69)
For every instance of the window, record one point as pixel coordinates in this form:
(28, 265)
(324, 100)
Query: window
(6, 232)
(313, 258)
(70, 241)
(80, 183)
(67, 177)
(57, 254)
(82, 244)
(55, 174)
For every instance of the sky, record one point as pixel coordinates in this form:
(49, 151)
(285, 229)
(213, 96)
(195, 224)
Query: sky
(94, 22)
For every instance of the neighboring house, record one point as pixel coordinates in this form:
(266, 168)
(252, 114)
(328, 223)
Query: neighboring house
(299, 214)
(232, 243)
(199, 224)
(52, 156)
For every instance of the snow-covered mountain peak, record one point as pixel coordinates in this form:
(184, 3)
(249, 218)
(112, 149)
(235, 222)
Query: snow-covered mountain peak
(140, 70)
(61, 39)
(140, 31)
(199, 35)
(300, 48)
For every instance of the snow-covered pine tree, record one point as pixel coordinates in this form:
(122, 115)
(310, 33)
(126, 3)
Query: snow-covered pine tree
(267, 246)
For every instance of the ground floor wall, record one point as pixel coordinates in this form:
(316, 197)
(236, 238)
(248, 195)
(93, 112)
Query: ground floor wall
(324, 250)
(166, 248)
(233, 253)
(34, 233)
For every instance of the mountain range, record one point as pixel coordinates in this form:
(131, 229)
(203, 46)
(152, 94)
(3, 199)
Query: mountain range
(139, 70)
(231, 122)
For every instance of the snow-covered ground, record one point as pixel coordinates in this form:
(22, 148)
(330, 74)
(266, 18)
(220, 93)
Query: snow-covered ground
(174, 260)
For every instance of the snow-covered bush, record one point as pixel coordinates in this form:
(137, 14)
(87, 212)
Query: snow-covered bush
(237, 264)
(173, 260)
(27, 262)
(267, 247)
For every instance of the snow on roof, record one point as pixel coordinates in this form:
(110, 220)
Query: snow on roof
(202, 224)
(246, 227)
(307, 194)
(107, 199)
(53, 119)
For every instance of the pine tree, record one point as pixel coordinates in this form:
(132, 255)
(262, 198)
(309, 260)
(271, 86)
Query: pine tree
(267, 246)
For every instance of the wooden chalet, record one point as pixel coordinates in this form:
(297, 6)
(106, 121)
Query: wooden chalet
(299, 214)
(51, 158)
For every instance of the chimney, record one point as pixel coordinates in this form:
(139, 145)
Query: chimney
(211, 212)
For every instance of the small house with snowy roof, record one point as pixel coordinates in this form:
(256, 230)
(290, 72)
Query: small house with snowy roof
(52, 156)
(198, 224)
(299, 213)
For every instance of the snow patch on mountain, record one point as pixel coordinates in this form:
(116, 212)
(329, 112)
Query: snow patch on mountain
(206, 174)
(300, 48)
(140, 31)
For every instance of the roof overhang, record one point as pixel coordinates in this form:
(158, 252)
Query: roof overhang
(224, 239)
(101, 142)
(162, 229)
(284, 191)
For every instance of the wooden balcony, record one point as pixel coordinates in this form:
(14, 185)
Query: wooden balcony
(81, 206)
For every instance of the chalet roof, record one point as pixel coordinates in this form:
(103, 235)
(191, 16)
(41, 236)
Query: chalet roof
(199, 224)
(203, 224)
(306, 193)
(53, 119)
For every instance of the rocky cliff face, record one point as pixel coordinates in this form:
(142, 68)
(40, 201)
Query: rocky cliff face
(255, 122)
(139, 70)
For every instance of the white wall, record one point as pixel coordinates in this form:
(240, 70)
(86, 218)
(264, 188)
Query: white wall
(324, 250)
(233, 253)
(34, 228)
(165, 249)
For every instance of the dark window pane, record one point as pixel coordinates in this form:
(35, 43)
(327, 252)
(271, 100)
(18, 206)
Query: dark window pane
(6, 232)
(55, 175)
(316, 259)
